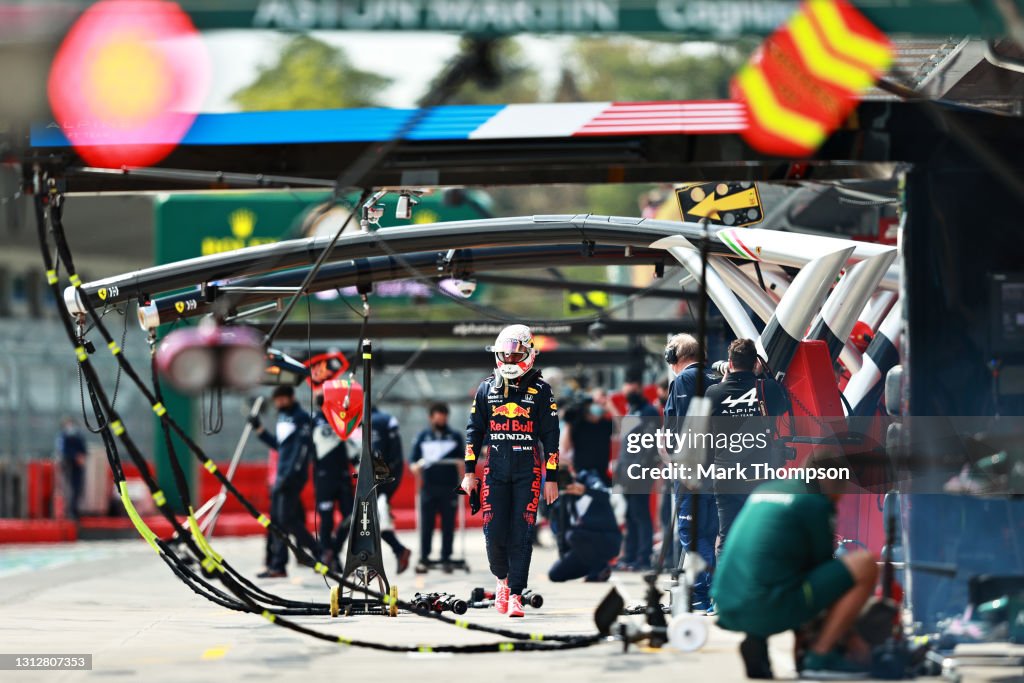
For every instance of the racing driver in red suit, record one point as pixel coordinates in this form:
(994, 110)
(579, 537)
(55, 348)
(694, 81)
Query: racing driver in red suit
(515, 415)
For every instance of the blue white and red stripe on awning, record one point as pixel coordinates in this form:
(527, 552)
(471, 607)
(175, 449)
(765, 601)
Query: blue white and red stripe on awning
(463, 122)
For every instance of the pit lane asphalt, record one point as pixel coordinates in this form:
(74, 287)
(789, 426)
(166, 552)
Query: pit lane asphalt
(117, 601)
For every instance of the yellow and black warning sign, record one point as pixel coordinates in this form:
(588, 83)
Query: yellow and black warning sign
(734, 204)
(586, 302)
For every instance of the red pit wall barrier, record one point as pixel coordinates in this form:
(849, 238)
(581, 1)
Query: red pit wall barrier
(40, 478)
(37, 531)
(249, 478)
(811, 383)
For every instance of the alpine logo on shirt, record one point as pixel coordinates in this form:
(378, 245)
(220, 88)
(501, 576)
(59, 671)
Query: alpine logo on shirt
(748, 401)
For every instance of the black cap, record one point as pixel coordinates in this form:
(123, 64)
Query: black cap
(283, 391)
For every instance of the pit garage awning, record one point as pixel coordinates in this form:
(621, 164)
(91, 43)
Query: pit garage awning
(524, 144)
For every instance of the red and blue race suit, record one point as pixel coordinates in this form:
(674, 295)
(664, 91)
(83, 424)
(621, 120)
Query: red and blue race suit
(518, 421)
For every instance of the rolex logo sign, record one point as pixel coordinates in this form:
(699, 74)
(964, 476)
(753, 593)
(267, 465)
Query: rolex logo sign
(242, 223)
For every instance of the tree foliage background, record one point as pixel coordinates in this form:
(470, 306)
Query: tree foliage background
(310, 74)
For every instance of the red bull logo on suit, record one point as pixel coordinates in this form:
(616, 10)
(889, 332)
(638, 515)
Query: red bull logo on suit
(510, 410)
(512, 426)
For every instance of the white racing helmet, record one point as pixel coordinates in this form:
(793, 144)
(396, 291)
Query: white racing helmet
(513, 352)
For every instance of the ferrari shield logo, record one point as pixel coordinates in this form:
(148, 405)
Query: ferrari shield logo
(179, 306)
(102, 293)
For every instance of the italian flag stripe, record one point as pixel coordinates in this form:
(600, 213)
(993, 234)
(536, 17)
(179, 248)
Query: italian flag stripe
(736, 246)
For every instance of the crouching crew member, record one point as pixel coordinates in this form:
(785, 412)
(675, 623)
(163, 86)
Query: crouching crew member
(590, 538)
(515, 415)
(778, 573)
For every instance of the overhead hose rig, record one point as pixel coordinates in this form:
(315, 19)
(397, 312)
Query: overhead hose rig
(238, 593)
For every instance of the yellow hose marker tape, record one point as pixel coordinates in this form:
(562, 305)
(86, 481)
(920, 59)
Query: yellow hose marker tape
(263, 520)
(201, 539)
(203, 544)
(81, 354)
(210, 466)
(536, 636)
(344, 641)
(75, 280)
(114, 348)
(367, 356)
(320, 568)
(506, 647)
(462, 623)
(117, 427)
(159, 409)
(425, 648)
(133, 515)
(159, 498)
(51, 277)
(269, 617)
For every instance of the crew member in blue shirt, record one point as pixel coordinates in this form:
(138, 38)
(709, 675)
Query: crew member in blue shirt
(437, 458)
(293, 440)
(681, 354)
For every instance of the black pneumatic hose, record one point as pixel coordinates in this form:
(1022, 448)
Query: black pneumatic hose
(564, 641)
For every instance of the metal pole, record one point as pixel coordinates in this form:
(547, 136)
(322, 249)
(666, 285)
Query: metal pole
(364, 534)
(215, 504)
(366, 350)
(702, 347)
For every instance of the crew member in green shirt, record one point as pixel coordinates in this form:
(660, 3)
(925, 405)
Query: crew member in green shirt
(777, 572)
